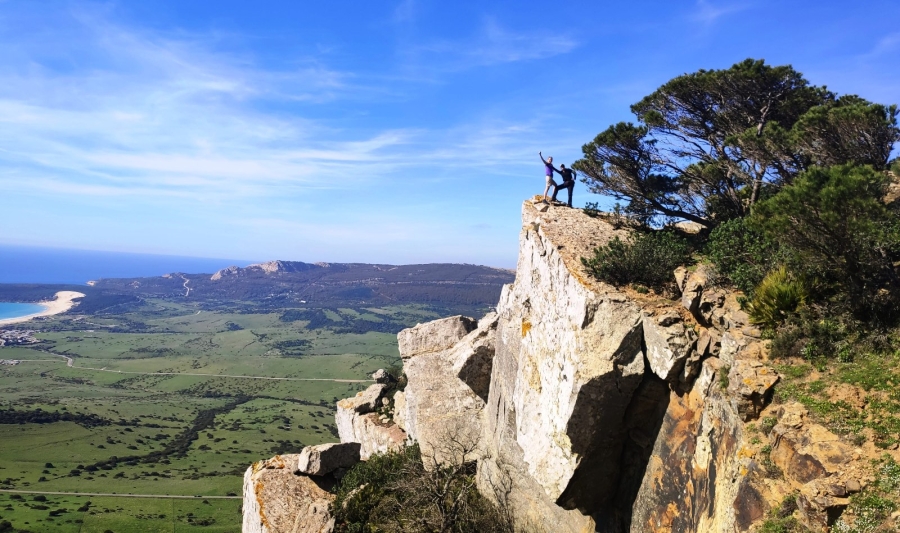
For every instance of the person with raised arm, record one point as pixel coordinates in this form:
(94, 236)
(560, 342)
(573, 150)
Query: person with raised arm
(549, 169)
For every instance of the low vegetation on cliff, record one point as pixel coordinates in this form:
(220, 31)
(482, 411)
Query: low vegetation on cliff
(794, 196)
(405, 492)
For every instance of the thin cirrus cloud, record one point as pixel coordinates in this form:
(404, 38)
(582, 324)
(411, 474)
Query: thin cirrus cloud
(709, 12)
(491, 45)
(159, 116)
(163, 116)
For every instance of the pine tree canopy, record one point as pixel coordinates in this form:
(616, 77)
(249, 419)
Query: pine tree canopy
(708, 145)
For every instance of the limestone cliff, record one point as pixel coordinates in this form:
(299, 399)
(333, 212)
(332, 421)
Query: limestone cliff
(594, 408)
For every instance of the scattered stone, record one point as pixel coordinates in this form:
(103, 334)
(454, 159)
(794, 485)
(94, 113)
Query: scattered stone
(819, 508)
(751, 332)
(326, 458)
(806, 451)
(383, 376)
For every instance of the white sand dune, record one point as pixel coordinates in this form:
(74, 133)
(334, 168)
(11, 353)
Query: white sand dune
(62, 302)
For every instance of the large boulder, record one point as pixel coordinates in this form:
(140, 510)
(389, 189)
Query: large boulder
(374, 435)
(383, 376)
(447, 384)
(350, 409)
(278, 501)
(324, 459)
(669, 345)
(434, 336)
(692, 289)
(821, 502)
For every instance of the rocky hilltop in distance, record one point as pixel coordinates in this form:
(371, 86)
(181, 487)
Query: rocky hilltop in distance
(284, 284)
(590, 408)
(269, 267)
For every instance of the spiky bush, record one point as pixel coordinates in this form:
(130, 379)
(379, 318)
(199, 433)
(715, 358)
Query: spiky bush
(776, 297)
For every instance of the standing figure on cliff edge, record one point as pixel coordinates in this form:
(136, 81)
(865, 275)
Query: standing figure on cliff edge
(568, 176)
(548, 173)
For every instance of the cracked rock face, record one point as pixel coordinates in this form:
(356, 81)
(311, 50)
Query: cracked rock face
(357, 422)
(278, 501)
(751, 384)
(567, 363)
(669, 345)
(447, 385)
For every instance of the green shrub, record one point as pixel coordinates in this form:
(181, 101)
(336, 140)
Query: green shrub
(592, 209)
(833, 226)
(364, 487)
(647, 258)
(723, 376)
(775, 298)
(741, 253)
(395, 492)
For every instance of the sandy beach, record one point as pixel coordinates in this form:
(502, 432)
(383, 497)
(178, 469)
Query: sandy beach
(62, 302)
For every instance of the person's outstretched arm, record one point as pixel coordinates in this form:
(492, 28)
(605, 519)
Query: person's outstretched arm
(542, 157)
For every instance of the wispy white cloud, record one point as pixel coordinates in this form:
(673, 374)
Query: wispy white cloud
(887, 44)
(405, 12)
(708, 12)
(492, 44)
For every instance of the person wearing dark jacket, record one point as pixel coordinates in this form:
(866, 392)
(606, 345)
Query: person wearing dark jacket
(568, 176)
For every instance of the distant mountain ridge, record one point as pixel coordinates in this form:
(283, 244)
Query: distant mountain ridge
(283, 284)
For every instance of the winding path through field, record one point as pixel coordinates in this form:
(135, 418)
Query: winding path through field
(114, 495)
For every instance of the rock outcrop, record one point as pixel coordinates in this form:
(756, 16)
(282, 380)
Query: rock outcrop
(269, 267)
(278, 501)
(447, 365)
(358, 422)
(592, 408)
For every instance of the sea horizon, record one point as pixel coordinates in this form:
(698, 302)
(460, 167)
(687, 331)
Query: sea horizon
(46, 265)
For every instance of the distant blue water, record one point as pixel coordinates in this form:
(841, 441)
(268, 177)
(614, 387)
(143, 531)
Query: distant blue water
(29, 264)
(13, 310)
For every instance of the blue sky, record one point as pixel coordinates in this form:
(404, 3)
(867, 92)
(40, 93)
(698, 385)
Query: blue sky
(390, 132)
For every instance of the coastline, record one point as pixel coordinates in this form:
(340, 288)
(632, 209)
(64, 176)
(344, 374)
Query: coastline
(62, 302)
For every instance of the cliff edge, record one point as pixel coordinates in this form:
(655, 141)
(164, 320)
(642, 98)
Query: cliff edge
(592, 408)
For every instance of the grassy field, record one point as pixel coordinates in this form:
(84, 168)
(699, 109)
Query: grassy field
(171, 400)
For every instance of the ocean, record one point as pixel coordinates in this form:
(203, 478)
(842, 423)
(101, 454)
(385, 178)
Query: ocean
(31, 264)
(13, 310)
